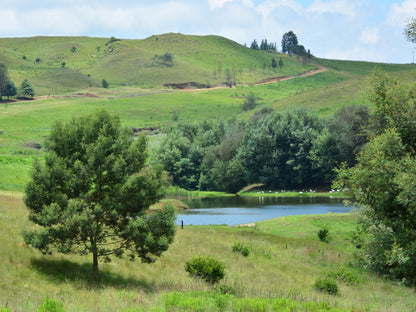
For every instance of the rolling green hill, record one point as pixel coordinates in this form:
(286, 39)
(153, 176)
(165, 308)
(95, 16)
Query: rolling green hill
(205, 60)
(137, 93)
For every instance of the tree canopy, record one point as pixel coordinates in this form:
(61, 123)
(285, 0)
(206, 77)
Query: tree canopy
(410, 30)
(90, 194)
(26, 88)
(289, 42)
(383, 183)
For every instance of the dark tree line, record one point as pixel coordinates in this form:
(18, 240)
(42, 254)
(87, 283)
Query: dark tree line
(264, 45)
(290, 150)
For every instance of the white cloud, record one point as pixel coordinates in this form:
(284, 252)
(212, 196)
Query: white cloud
(347, 29)
(369, 35)
(215, 4)
(269, 6)
(341, 7)
(400, 13)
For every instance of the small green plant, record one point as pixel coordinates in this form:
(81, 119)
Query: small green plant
(327, 285)
(50, 305)
(242, 249)
(209, 269)
(344, 276)
(73, 49)
(323, 235)
(225, 289)
(5, 310)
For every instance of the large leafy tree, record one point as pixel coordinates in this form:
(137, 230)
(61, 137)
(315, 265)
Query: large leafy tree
(90, 194)
(10, 89)
(289, 42)
(383, 183)
(276, 150)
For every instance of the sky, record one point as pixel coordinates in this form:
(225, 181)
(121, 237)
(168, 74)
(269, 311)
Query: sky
(368, 30)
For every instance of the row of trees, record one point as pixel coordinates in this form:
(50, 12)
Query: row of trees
(264, 45)
(8, 88)
(295, 149)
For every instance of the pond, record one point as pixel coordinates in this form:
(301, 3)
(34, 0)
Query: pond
(240, 210)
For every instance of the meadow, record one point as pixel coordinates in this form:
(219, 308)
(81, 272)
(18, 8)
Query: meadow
(286, 258)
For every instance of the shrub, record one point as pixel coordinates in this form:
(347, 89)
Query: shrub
(209, 269)
(242, 249)
(50, 305)
(323, 235)
(250, 102)
(344, 276)
(105, 83)
(327, 285)
(225, 289)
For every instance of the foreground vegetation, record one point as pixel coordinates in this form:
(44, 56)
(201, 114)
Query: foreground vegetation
(287, 266)
(286, 259)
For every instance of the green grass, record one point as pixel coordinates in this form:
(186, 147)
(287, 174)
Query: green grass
(201, 59)
(286, 258)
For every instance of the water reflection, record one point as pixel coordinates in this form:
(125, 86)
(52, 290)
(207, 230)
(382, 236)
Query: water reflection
(240, 210)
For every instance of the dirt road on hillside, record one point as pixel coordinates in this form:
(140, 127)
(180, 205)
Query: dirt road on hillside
(310, 72)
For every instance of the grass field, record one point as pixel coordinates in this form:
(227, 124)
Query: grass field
(286, 258)
(201, 59)
(25, 124)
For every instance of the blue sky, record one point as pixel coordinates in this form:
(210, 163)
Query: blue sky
(369, 30)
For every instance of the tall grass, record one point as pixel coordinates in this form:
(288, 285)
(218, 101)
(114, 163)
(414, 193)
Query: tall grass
(280, 270)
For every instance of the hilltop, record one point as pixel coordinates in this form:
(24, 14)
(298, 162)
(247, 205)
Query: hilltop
(62, 64)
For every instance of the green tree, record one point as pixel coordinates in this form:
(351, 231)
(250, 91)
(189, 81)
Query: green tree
(276, 150)
(10, 90)
(250, 102)
(90, 194)
(4, 78)
(383, 183)
(410, 30)
(280, 63)
(105, 84)
(254, 45)
(26, 88)
(289, 41)
(274, 63)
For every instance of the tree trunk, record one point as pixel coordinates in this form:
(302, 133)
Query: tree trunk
(95, 265)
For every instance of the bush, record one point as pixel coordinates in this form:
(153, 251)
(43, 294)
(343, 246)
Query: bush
(225, 289)
(250, 102)
(209, 269)
(323, 235)
(344, 276)
(105, 83)
(50, 305)
(239, 247)
(327, 285)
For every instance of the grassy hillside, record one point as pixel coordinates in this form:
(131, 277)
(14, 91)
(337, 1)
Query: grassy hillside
(286, 258)
(201, 59)
(136, 92)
